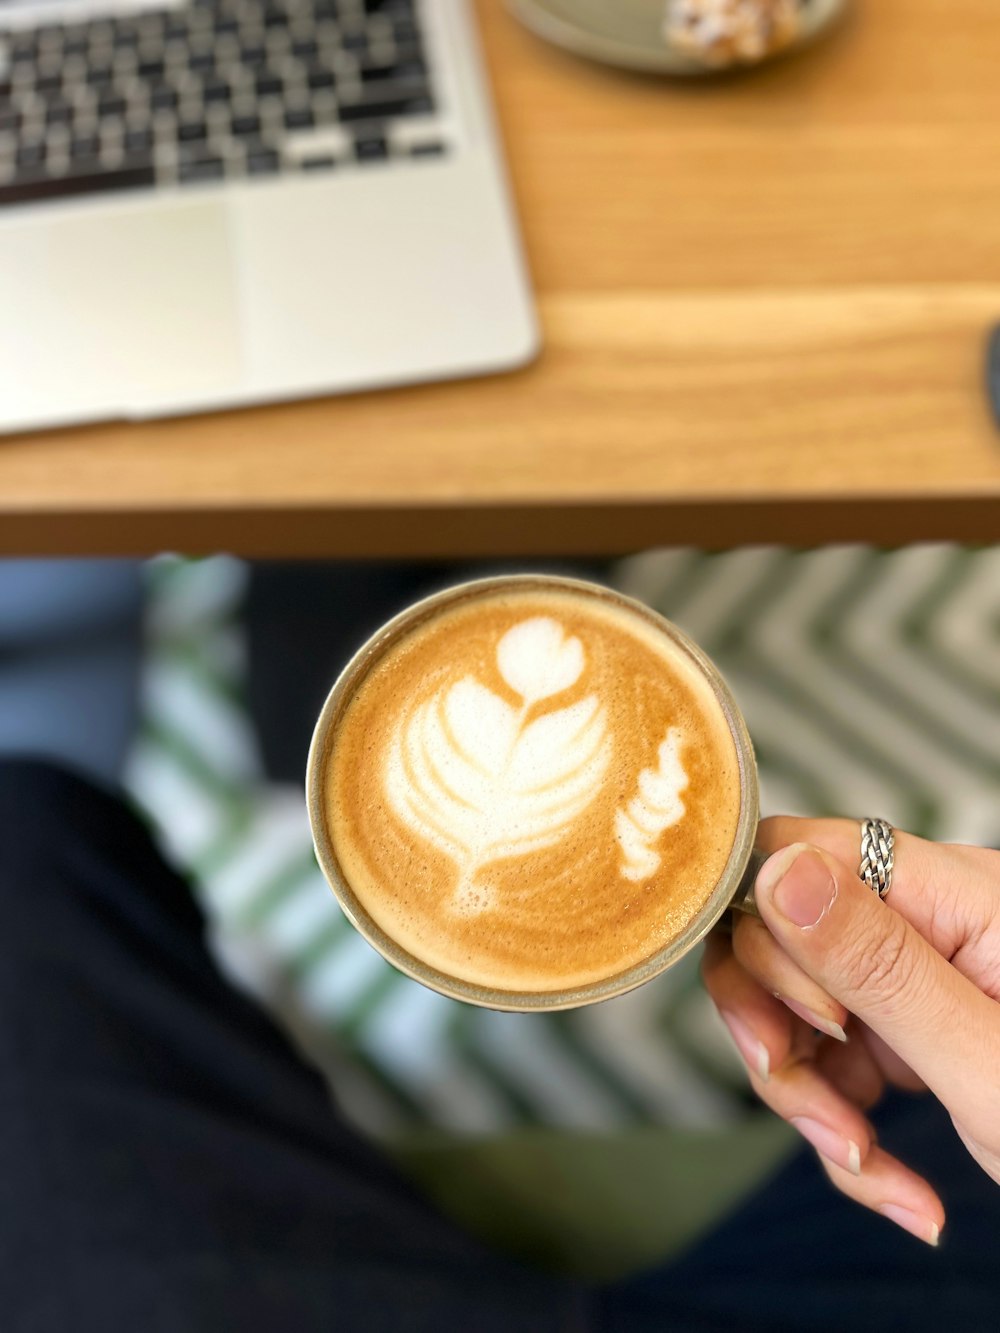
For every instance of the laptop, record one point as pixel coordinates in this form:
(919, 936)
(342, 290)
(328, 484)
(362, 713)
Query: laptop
(211, 203)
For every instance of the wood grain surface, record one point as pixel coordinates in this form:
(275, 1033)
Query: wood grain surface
(765, 303)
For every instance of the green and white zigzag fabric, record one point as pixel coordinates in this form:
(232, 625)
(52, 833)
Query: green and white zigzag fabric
(871, 684)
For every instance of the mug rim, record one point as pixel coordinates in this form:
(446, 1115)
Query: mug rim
(491, 997)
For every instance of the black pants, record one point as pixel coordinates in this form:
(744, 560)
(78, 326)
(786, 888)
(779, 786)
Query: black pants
(168, 1165)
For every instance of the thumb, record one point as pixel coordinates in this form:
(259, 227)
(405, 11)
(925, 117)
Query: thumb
(868, 957)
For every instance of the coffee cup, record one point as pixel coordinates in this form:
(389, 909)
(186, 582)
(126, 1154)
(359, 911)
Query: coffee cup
(532, 793)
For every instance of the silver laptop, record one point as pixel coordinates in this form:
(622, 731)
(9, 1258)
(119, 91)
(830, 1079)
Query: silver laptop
(221, 202)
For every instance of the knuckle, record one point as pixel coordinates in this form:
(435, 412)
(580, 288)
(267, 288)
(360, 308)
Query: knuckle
(776, 831)
(779, 831)
(882, 964)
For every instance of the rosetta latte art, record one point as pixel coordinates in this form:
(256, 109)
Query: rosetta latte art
(482, 780)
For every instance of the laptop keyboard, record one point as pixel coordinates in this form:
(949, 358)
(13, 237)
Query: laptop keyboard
(218, 90)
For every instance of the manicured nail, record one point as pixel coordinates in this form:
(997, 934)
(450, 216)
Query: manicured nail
(754, 1052)
(915, 1223)
(826, 1025)
(835, 1147)
(799, 884)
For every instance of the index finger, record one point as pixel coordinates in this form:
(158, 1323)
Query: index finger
(946, 891)
(883, 970)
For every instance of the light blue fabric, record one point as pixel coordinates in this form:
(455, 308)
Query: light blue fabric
(70, 652)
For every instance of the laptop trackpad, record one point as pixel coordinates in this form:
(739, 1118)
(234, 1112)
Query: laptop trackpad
(113, 311)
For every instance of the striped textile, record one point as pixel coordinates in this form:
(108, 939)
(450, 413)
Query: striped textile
(871, 684)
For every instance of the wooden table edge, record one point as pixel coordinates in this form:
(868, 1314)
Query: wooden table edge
(503, 529)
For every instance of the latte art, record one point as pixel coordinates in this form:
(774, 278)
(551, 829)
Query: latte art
(656, 807)
(532, 790)
(474, 776)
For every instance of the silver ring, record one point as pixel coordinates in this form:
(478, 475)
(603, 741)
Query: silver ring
(877, 855)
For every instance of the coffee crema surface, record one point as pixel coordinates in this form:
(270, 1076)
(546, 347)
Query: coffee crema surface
(532, 790)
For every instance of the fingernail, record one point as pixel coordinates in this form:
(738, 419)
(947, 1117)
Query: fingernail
(799, 883)
(915, 1223)
(835, 1147)
(754, 1052)
(826, 1025)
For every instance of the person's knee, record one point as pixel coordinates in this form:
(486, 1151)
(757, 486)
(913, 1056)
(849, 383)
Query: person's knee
(76, 862)
(45, 811)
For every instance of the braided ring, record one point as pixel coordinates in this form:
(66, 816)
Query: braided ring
(877, 855)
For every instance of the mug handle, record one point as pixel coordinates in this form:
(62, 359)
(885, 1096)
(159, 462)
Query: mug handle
(743, 899)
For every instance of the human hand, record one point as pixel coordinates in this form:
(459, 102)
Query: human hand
(903, 992)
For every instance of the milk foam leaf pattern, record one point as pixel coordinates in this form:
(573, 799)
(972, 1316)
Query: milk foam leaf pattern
(471, 776)
(656, 807)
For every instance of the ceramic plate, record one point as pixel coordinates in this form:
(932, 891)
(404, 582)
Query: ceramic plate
(629, 32)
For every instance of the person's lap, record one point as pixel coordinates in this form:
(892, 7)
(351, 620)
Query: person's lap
(170, 1164)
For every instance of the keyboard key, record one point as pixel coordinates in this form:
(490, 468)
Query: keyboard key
(163, 97)
(31, 187)
(59, 113)
(112, 104)
(370, 149)
(378, 73)
(138, 140)
(126, 34)
(151, 68)
(298, 118)
(101, 32)
(76, 42)
(427, 149)
(100, 76)
(22, 49)
(84, 147)
(200, 169)
(191, 131)
(246, 125)
(406, 33)
(262, 163)
(269, 84)
(30, 155)
(215, 90)
(376, 109)
(325, 163)
(150, 26)
(320, 77)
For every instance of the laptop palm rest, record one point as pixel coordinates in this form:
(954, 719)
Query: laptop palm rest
(126, 313)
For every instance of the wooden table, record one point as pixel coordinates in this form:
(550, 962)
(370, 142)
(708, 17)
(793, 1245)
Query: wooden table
(765, 302)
